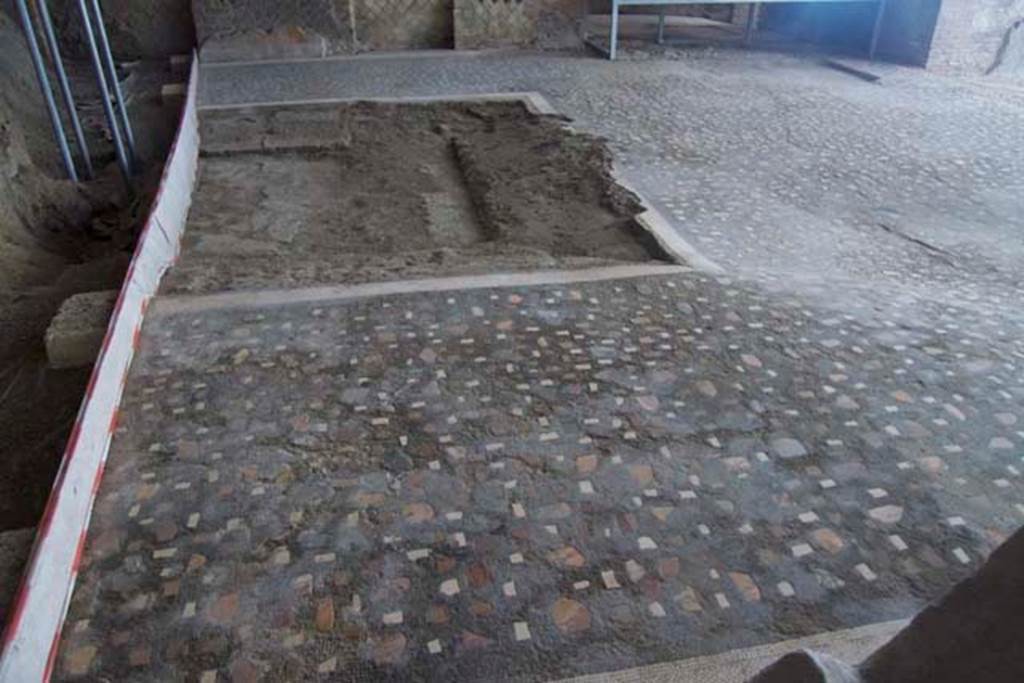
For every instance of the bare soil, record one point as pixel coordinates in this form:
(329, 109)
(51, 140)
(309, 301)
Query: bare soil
(295, 196)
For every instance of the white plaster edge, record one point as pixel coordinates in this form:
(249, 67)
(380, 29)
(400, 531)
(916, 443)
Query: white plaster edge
(668, 237)
(672, 242)
(177, 304)
(534, 102)
(384, 55)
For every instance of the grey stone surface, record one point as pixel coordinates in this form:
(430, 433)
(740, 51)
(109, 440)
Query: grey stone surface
(76, 333)
(1009, 61)
(971, 33)
(787, 448)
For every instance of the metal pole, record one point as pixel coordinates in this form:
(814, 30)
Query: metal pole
(101, 81)
(877, 31)
(65, 88)
(661, 27)
(613, 38)
(753, 10)
(44, 85)
(115, 85)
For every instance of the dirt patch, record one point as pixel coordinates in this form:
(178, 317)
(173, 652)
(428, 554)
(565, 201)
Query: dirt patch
(370, 191)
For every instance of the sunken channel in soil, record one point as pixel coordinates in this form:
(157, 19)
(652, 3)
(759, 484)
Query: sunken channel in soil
(367, 192)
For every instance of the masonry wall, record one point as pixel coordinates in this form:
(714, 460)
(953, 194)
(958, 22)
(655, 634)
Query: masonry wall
(973, 37)
(545, 24)
(266, 29)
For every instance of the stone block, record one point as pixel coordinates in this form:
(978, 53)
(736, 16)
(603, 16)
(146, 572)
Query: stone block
(76, 333)
(172, 92)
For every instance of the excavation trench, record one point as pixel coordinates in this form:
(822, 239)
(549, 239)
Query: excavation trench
(365, 192)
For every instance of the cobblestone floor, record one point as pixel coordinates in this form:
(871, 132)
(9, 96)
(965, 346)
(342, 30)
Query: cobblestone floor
(540, 481)
(537, 481)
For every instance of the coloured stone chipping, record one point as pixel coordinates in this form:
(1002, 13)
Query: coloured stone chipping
(568, 497)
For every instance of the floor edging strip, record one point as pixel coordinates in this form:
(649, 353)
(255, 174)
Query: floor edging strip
(175, 304)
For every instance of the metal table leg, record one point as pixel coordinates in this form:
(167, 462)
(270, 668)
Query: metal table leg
(614, 37)
(877, 31)
(748, 36)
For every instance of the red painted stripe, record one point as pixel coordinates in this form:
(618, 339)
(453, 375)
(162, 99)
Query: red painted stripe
(79, 551)
(95, 487)
(113, 420)
(51, 659)
(16, 612)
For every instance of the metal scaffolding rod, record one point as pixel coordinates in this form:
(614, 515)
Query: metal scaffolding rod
(115, 85)
(65, 88)
(101, 81)
(44, 85)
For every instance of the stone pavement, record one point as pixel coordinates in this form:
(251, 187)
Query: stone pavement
(536, 482)
(778, 168)
(542, 481)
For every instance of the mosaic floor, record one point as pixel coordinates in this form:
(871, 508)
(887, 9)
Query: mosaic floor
(534, 482)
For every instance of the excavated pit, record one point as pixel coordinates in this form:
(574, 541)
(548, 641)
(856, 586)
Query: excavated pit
(368, 192)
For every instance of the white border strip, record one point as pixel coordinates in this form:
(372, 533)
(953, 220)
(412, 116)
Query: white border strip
(171, 305)
(534, 101)
(30, 641)
(437, 53)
